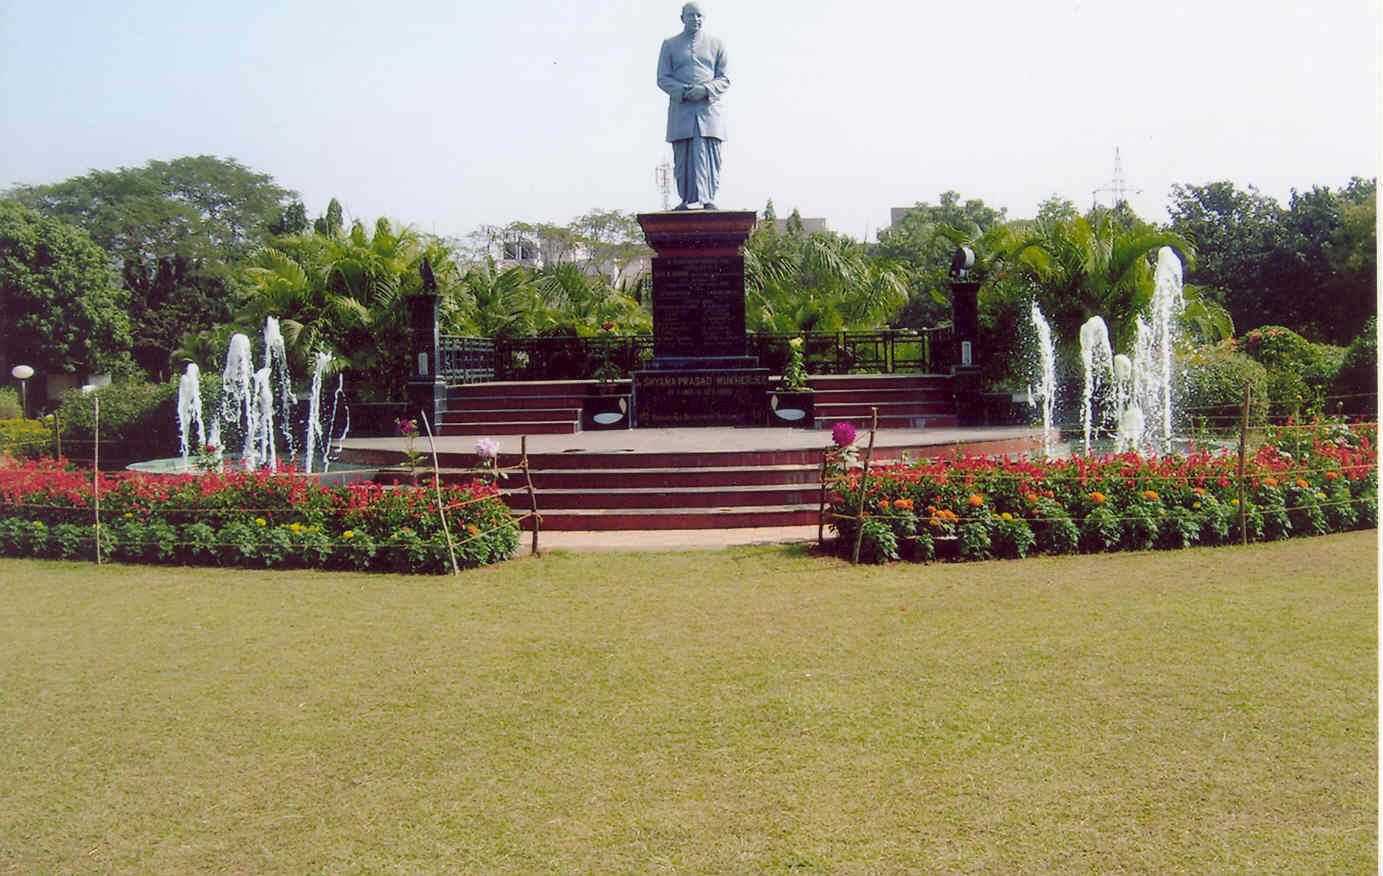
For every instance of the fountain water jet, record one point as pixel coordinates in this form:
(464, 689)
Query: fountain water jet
(1046, 377)
(248, 403)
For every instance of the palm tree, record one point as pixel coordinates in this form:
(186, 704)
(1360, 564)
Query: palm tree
(346, 294)
(1094, 265)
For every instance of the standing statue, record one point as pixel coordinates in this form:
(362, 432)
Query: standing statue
(691, 69)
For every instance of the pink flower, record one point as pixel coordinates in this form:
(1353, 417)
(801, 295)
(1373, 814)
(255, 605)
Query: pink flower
(843, 434)
(487, 448)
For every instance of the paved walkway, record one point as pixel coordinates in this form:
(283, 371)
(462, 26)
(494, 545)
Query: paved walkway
(668, 539)
(703, 439)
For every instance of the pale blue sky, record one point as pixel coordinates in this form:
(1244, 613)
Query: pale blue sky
(449, 115)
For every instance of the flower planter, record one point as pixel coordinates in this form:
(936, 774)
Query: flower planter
(796, 409)
(605, 412)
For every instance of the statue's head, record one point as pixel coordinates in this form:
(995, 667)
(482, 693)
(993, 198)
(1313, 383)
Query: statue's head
(692, 17)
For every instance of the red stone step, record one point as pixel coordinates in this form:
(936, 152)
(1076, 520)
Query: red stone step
(671, 478)
(889, 409)
(528, 387)
(513, 402)
(917, 421)
(641, 498)
(672, 518)
(565, 427)
(511, 415)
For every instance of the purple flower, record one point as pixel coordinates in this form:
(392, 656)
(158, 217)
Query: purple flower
(406, 427)
(487, 448)
(843, 434)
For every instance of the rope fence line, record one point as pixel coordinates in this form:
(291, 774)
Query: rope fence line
(922, 517)
(1240, 478)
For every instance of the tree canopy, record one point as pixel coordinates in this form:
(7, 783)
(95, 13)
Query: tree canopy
(176, 232)
(61, 305)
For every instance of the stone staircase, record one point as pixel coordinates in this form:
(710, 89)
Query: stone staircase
(904, 401)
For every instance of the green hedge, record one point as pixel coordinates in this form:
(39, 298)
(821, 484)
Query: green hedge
(1356, 384)
(25, 439)
(1212, 392)
(138, 420)
(1300, 373)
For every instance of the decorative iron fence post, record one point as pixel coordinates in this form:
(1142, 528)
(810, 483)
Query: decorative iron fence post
(427, 391)
(965, 317)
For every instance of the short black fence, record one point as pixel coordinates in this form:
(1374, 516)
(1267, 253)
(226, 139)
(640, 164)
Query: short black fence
(887, 351)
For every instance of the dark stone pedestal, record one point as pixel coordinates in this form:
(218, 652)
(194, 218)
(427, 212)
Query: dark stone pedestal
(700, 397)
(700, 374)
(965, 316)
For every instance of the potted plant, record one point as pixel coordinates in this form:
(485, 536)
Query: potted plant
(607, 404)
(792, 403)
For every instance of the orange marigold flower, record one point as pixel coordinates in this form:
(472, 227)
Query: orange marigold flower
(1269, 482)
(1199, 491)
(976, 500)
(903, 504)
(1150, 494)
(1301, 482)
(472, 528)
(1097, 497)
(883, 504)
(1032, 497)
(1332, 475)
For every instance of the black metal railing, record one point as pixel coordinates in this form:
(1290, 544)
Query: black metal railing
(885, 351)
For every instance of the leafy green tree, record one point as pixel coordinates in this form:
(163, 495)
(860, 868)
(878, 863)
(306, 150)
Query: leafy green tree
(292, 220)
(332, 221)
(922, 243)
(1310, 266)
(176, 231)
(61, 305)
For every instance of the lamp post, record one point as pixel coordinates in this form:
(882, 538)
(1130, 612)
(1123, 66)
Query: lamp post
(22, 373)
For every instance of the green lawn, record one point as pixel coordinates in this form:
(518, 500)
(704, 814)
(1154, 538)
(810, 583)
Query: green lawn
(752, 710)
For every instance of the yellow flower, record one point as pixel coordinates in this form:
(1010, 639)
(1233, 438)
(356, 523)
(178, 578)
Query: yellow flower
(260, 521)
(348, 534)
(1196, 505)
(295, 528)
(129, 513)
(1006, 516)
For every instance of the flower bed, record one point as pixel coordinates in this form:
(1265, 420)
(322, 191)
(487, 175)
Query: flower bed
(47, 509)
(1305, 480)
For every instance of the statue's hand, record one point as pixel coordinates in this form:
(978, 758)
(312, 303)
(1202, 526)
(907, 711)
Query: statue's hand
(695, 92)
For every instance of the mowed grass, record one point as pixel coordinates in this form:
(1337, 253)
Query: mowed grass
(740, 711)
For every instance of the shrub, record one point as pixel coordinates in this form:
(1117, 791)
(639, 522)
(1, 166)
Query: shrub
(25, 439)
(138, 420)
(10, 409)
(1213, 389)
(878, 543)
(1299, 372)
(1357, 380)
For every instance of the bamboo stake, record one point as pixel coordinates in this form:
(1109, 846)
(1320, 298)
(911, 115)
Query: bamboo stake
(1243, 445)
(821, 514)
(864, 483)
(532, 494)
(96, 468)
(437, 485)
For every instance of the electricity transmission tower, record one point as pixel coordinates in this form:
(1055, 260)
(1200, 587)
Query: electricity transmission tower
(662, 175)
(1118, 185)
